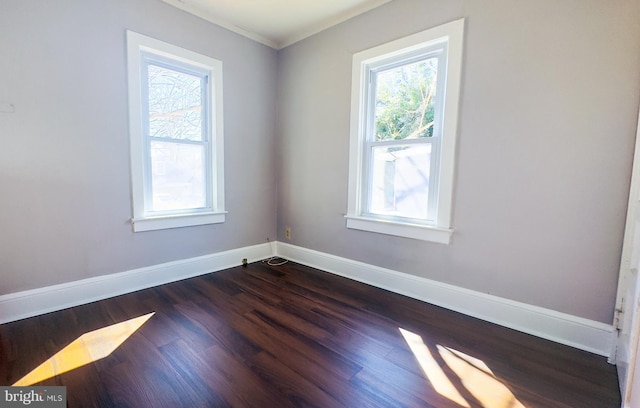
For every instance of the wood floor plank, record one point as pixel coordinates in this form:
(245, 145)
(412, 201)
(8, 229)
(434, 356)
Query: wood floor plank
(240, 385)
(301, 391)
(295, 336)
(322, 356)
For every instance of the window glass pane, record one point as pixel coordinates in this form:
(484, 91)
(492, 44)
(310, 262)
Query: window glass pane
(405, 101)
(400, 180)
(177, 176)
(175, 104)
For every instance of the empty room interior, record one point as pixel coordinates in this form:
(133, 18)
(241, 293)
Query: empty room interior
(381, 203)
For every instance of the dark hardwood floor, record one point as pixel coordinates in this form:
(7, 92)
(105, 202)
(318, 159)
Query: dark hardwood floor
(293, 336)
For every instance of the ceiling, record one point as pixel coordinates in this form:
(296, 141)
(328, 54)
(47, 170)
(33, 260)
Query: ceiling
(276, 23)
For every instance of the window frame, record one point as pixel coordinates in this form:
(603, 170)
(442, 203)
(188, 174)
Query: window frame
(372, 70)
(143, 51)
(447, 39)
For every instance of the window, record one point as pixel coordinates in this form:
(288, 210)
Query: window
(175, 104)
(404, 108)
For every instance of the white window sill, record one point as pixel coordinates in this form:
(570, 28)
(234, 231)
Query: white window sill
(414, 231)
(176, 221)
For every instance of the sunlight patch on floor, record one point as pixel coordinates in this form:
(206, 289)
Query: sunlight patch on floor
(432, 370)
(475, 376)
(89, 347)
(479, 379)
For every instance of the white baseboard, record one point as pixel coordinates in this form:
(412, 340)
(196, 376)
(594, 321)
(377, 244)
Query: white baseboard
(562, 328)
(584, 334)
(20, 305)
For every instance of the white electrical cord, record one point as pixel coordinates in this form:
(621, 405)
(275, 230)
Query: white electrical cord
(270, 261)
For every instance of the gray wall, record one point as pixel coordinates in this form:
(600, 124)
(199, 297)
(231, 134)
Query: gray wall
(65, 196)
(549, 106)
(548, 115)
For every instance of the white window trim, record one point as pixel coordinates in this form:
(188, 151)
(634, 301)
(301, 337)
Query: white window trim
(141, 221)
(441, 230)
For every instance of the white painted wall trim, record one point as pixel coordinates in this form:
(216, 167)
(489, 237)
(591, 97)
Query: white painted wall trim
(20, 305)
(581, 333)
(562, 328)
(270, 41)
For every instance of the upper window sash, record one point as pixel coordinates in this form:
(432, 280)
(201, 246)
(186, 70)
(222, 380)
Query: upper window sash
(149, 59)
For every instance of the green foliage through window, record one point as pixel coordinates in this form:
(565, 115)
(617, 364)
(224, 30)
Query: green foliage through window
(405, 101)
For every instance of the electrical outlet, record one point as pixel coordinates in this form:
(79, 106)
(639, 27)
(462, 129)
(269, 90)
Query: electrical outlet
(287, 232)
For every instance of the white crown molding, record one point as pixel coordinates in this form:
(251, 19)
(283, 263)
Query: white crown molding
(340, 18)
(21, 305)
(578, 332)
(287, 40)
(223, 23)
